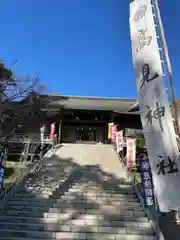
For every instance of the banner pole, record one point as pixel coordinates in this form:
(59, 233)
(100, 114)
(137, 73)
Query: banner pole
(169, 69)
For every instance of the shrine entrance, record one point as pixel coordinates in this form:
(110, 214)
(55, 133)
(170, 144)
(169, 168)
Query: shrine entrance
(86, 134)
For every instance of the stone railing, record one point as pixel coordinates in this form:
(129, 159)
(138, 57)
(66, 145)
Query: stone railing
(30, 138)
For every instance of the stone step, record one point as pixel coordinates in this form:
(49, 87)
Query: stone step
(81, 182)
(30, 194)
(106, 184)
(106, 181)
(102, 192)
(117, 188)
(57, 193)
(48, 184)
(42, 202)
(38, 198)
(78, 225)
(112, 197)
(27, 213)
(56, 203)
(42, 198)
(84, 193)
(44, 184)
(53, 181)
(56, 208)
(94, 237)
(36, 193)
(115, 221)
(36, 183)
(46, 175)
(88, 220)
(30, 190)
(59, 180)
(78, 233)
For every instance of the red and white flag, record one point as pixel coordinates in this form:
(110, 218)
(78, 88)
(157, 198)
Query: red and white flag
(52, 131)
(113, 133)
(131, 152)
(119, 141)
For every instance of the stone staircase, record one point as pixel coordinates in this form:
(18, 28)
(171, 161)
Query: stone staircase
(68, 199)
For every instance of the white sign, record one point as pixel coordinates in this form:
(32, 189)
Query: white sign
(42, 130)
(119, 141)
(131, 153)
(154, 106)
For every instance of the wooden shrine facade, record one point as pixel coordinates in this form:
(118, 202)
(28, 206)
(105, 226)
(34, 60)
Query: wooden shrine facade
(81, 118)
(86, 118)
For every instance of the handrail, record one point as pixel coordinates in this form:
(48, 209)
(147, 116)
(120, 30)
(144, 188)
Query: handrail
(16, 182)
(26, 136)
(153, 216)
(31, 138)
(19, 179)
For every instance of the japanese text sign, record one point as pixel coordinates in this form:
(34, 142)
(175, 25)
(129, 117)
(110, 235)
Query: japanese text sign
(155, 112)
(146, 180)
(131, 152)
(3, 156)
(119, 141)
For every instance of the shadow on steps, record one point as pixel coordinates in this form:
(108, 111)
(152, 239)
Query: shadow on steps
(67, 201)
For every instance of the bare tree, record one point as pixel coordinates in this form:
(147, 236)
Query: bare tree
(19, 99)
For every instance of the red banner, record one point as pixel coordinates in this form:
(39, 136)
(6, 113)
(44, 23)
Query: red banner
(113, 130)
(52, 131)
(131, 153)
(113, 133)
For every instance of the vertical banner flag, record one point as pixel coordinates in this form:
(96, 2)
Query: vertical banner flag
(3, 156)
(146, 181)
(119, 141)
(109, 130)
(113, 133)
(131, 153)
(112, 128)
(52, 131)
(42, 130)
(154, 107)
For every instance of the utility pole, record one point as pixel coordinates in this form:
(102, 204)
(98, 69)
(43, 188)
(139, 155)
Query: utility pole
(169, 69)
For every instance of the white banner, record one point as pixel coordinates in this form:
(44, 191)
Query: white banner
(154, 106)
(119, 141)
(131, 153)
(42, 130)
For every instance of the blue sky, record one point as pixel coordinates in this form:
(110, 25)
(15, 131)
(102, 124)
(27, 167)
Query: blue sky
(79, 47)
